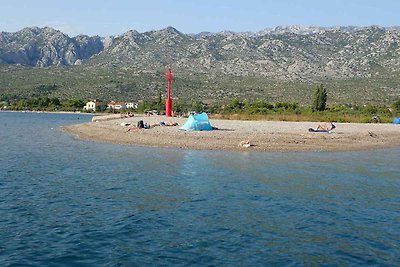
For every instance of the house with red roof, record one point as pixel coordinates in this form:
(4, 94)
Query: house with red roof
(116, 105)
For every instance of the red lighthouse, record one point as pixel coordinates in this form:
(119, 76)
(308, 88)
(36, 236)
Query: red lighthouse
(170, 77)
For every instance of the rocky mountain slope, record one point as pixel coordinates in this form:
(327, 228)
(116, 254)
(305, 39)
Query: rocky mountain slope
(283, 54)
(43, 47)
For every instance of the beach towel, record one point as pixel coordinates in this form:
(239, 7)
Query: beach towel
(318, 131)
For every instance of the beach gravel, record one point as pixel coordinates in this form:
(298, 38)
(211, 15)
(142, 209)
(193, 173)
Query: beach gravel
(232, 134)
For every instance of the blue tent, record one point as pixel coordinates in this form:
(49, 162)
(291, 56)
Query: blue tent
(396, 121)
(197, 122)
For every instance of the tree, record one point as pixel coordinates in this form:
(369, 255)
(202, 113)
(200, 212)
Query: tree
(396, 105)
(160, 100)
(73, 104)
(319, 99)
(197, 106)
(55, 102)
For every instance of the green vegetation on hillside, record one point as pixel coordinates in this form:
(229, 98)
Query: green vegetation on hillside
(126, 84)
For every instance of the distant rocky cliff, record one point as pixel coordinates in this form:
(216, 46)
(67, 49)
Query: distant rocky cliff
(284, 53)
(43, 47)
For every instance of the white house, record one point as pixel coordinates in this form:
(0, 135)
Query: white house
(94, 106)
(116, 105)
(131, 105)
(90, 106)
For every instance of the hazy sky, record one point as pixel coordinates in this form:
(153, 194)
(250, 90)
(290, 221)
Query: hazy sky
(113, 17)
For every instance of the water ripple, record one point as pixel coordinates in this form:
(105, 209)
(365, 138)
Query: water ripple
(66, 202)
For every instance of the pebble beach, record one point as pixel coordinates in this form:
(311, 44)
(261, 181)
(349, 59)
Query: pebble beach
(231, 135)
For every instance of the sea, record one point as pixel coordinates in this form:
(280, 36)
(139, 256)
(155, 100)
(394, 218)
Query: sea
(69, 202)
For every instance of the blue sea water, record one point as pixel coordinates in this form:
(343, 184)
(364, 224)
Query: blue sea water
(68, 202)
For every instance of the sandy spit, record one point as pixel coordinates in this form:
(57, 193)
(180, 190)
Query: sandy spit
(262, 135)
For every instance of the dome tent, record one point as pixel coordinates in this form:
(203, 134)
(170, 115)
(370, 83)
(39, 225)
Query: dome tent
(396, 121)
(197, 122)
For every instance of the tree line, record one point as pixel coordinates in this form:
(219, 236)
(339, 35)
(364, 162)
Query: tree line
(42, 104)
(246, 109)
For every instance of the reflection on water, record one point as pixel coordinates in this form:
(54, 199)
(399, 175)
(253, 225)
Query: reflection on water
(70, 202)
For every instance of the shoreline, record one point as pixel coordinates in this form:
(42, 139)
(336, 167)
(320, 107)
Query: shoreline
(263, 136)
(54, 112)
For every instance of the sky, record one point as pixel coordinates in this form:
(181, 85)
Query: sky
(114, 17)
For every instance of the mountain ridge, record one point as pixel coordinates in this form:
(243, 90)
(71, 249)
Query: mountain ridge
(287, 49)
(285, 54)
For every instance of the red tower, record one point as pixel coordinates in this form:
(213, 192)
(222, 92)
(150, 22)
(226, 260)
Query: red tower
(170, 77)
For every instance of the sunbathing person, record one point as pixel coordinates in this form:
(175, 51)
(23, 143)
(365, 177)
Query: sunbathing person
(168, 123)
(127, 115)
(245, 143)
(154, 125)
(324, 127)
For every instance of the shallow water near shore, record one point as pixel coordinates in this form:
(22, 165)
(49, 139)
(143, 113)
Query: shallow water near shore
(68, 202)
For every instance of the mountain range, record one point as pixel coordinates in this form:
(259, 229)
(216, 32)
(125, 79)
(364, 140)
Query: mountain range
(264, 64)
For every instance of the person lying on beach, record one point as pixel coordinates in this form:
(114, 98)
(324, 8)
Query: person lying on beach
(130, 114)
(327, 126)
(245, 143)
(162, 123)
(134, 128)
(168, 123)
(127, 115)
(324, 127)
(140, 125)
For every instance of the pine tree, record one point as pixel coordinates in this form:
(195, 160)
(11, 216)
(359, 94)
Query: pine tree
(319, 99)
(396, 105)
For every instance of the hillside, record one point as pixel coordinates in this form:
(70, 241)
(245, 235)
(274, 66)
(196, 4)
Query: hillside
(357, 64)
